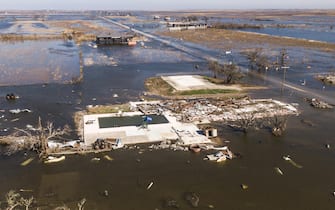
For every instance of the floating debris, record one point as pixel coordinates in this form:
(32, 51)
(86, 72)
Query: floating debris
(329, 78)
(171, 203)
(280, 172)
(288, 158)
(150, 185)
(52, 159)
(244, 186)
(11, 96)
(17, 111)
(95, 159)
(195, 148)
(220, 156)
(106, 193)
(25, 190)
(192, 198)
(118, 144)
(107, 157)
(30, 127)
(316, 103)
(27, 162)
(221, 159)
(14, 120)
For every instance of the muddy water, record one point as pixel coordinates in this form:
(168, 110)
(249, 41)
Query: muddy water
(314, 28)
(32, 62)
(127, 177)
(174, 173)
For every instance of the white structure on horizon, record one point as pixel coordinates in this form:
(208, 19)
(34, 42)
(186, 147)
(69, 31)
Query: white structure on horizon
(179, 26)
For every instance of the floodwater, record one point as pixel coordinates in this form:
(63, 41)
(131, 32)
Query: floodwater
(38, 62)
(122, 71)
(311, 28)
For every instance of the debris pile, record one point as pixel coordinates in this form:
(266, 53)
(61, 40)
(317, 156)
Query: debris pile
(11, 96)
(212, 110)
(221, 155)
(329, 78)
(101, 144)
(314, 102)
(175, 146)
(17, 111)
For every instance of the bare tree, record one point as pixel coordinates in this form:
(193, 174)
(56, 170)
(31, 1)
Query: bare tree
(215, 67)
(81, 204)
(33, 138)
(257, 60)
(14, 200)
(245, 122)
(26, 202)
(230, 72)
(44, 134)
(277, 124)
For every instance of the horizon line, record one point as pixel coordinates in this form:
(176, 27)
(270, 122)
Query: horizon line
(176, 10)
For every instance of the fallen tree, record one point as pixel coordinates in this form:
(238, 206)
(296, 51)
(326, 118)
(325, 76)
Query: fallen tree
(33, 138)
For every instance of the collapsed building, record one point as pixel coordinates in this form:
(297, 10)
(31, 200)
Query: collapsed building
(176, 119)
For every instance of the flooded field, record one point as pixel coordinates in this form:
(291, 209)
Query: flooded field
(38, 62)
(40, 73)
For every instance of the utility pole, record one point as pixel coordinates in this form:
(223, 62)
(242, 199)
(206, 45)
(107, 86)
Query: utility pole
(284, 66)
(284, 77)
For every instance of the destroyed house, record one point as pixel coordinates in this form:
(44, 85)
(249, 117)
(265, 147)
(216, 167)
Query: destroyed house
(178, 26)
(111, 40)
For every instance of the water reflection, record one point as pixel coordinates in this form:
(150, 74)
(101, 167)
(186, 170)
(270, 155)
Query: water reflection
(36, 62)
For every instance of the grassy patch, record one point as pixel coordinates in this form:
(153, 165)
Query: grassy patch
(157, 85)
(108, 109)
(20, 37)
(214, 80)
(208, 91)
(238, 39)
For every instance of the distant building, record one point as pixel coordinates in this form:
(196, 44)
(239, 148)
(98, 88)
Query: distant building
(179, 26)
(113, 40)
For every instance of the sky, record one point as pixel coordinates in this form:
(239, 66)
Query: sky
(164, 4)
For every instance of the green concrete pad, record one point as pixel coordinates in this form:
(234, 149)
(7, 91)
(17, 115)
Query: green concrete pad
(137, 120)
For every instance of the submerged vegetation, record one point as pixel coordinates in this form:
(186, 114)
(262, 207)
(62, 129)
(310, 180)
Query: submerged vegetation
(33, 138)
(69, 35)
(21, 37)
(14, 200)
(236, 26)
(223, 38)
